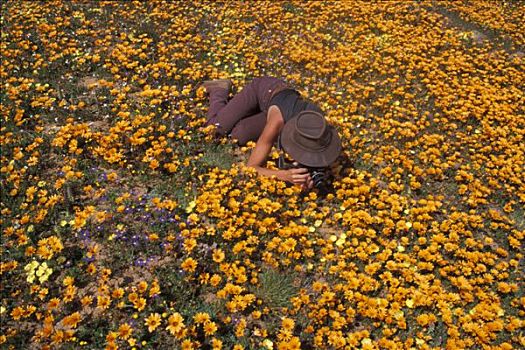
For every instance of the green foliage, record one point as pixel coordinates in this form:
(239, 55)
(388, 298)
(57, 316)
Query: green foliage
(276, 287)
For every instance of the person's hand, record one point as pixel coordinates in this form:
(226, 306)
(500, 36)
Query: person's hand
(298, 176)
(309, 184)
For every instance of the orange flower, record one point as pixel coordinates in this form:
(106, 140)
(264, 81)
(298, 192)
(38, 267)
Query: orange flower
(210, 328)
(86, 300)
(201, 317)
(53, 304)
(189, 265)
(140, 304)
(103, 302)
(72, 320)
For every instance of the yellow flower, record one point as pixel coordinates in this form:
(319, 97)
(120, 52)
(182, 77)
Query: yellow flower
(218, 255)
(72, 320)
(189, 265)
(103, 302)
(152, 321)
(175, 324)
(53, 304)
(267, 343)
(68, 280)
(210, 328)
(155, 288)
(190, 206)
(143, 286)
(125, 331)
(140, 304)
(201, 317)
(216, 344)
(215, 280)
(86, 300)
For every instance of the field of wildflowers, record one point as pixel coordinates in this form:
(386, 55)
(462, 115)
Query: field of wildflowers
(126, 225)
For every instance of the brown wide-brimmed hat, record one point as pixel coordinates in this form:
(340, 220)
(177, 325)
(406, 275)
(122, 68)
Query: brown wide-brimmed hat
(310, 140)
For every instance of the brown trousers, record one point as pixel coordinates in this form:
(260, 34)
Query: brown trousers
(244, 116)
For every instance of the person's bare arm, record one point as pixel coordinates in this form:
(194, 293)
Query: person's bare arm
(263, 147)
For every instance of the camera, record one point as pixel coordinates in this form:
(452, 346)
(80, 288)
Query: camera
(321, 176)
(321, 179)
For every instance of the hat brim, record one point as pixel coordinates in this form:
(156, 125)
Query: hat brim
(312, 158)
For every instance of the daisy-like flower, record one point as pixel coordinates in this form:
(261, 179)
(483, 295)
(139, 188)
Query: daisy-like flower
(218, 255)
(288, 324)
(125, 330)
(189, 265)
(53, 304)
(72, 320)
(103, 302)
(175, 324)
(216, 344)
(140, 304)
(210, 328)
(152, 321)
(201, 317)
